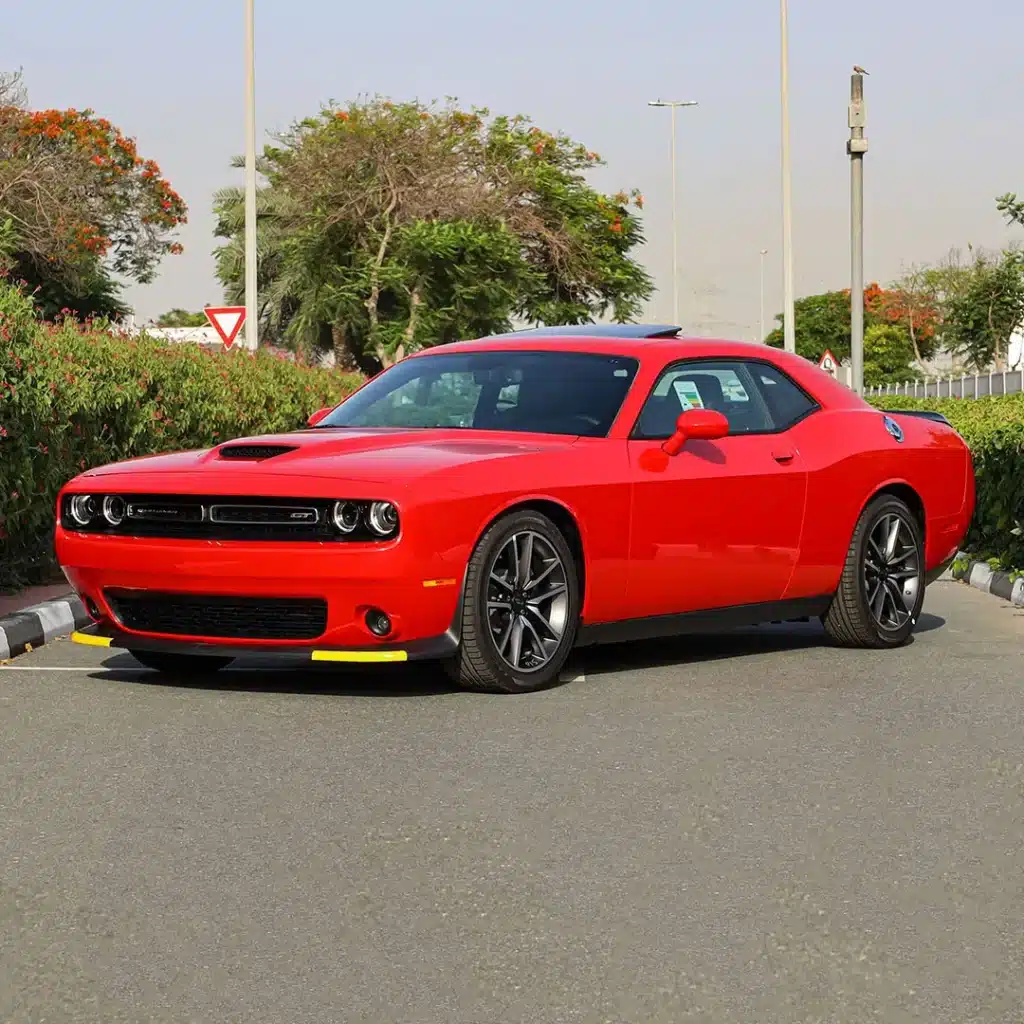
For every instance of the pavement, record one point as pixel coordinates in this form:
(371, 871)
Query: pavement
(749, 828)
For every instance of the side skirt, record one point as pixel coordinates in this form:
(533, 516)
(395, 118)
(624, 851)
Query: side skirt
(713, 620)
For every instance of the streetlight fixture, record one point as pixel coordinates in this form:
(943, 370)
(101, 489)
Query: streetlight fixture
(672, 105)
(251, 326)
(789, 313)
(760, 323)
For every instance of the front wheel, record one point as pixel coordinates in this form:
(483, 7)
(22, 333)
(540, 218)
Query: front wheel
(882, 587)
(521, 607)
(180, 664)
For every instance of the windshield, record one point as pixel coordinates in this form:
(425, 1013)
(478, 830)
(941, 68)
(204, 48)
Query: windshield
(528, 391)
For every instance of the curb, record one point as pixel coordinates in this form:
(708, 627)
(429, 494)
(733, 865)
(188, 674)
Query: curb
(982, 576)
(32, 627)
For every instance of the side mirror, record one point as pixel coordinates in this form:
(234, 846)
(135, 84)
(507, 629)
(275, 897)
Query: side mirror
(318, 416)
(696, 425)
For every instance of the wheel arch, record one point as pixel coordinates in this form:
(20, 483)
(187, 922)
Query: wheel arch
(902, 490)
(566, 522)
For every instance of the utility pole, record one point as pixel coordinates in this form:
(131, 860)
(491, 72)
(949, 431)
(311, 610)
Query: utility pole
(760, 322)
(672, 104)
(857, 146)
(789, 312)
(251, 317)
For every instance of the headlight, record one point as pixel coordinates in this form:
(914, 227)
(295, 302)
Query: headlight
(113, 509)
(345, 515)
(382, 518)
(83, 509)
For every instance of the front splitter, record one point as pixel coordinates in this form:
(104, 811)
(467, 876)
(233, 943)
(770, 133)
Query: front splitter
(429, 649)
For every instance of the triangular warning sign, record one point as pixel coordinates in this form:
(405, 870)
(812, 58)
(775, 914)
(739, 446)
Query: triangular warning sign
(226, 321)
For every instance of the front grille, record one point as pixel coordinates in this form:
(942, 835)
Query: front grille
(255, 452)
(222, 618)
(265, 515)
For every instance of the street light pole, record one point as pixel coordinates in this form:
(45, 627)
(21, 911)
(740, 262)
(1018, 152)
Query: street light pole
(857, 146)
(789, 314)
(672, 104)
(251, 324)
(760, 322)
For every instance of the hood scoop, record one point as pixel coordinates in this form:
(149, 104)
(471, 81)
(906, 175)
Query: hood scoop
(254, 452)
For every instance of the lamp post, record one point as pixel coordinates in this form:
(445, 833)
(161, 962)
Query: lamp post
(857, 146)
(251, 325)
(789, 315)
(760, 322)
(672, 105)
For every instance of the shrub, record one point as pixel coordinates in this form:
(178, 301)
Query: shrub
(994, 429)
(73, 396)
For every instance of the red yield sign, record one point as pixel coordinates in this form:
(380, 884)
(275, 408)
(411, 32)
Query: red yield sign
(226, 321)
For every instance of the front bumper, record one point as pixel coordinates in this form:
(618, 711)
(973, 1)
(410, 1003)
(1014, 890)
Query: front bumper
(429, 649)
(419, 591)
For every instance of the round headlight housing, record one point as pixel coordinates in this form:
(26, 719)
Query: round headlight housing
(83, 509)
(345, 515)
(382, 518)
(113, 509)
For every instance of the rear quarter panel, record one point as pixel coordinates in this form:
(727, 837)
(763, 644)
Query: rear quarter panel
(850, 457)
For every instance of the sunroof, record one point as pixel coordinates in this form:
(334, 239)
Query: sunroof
(594, 331)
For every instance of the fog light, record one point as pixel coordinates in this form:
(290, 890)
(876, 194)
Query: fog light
(377, 622)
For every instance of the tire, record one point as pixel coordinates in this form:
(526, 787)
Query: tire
(180, 664)
(879, 598)
(489, 657)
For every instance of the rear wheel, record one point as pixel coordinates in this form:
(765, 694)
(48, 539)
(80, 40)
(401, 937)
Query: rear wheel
(180, 664)
(882, 587)
(521, 607)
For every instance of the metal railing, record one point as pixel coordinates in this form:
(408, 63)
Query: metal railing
(966, 385)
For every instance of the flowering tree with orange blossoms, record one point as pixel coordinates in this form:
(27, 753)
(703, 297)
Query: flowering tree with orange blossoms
(79, 204)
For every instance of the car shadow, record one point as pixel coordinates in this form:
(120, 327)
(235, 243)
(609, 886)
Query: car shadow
(427, 679)
(781, 638)
(417, 679)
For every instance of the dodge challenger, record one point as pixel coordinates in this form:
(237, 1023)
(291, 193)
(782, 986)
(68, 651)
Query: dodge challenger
(493, 504)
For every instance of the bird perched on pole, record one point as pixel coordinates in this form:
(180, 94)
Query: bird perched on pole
(859, 70)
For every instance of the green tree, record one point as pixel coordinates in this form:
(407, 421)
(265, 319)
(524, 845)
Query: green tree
(888, 355)
(1011, 208)
(985, 309)
(181, 318)
(384, 228)
(908, 309)
(822, 322)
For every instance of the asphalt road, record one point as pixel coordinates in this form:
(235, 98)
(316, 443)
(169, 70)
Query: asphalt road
(754, 828)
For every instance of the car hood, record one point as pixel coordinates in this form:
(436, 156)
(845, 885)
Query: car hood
(360, 455)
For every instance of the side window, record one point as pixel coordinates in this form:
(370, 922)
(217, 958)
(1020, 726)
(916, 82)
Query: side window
(754, 397)
(787, 403)
(726, 386)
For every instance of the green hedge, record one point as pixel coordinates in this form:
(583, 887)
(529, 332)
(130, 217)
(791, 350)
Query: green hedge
(994, 429)
(73, 397)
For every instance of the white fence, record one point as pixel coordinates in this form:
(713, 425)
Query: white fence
(977, 385)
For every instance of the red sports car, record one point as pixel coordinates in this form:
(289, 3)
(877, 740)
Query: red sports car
(495, 503)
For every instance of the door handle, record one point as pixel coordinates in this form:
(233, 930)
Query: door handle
(783, 455)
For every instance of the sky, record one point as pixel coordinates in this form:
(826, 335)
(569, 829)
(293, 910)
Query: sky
(944, 106)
